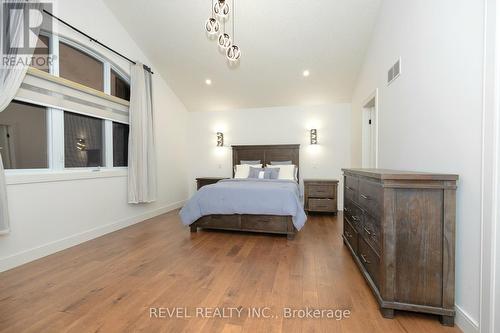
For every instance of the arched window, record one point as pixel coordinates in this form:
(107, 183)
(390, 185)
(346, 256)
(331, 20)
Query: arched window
(71, 112)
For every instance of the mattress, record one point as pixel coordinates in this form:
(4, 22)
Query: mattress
(246, 196)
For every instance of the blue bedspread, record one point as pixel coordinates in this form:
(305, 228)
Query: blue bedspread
(246, 196)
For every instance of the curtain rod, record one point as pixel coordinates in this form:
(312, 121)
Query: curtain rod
(95, 40)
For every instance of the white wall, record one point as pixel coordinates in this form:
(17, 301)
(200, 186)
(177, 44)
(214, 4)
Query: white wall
(277, 125)
(50, 216)
(430, 118)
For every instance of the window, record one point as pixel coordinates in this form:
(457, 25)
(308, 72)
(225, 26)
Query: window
(80, 67)
(83, 141)
(78, 64)
(119, 87)
(120, 144)
(23, 136)
(79, 128)
(41, 54)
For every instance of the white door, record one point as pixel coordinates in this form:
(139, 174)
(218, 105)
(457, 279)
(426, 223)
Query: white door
(369, 137)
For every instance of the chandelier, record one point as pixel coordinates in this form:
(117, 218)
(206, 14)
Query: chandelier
(216, 25)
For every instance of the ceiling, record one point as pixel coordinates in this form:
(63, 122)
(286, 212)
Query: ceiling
(279, 39)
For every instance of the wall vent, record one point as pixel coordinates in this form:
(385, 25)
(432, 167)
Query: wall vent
(394, 72)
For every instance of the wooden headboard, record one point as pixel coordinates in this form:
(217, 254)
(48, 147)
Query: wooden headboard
(266, 154)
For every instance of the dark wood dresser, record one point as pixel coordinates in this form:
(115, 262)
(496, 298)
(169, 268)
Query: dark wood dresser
(400, 228)
(203, 181)
(320, 195)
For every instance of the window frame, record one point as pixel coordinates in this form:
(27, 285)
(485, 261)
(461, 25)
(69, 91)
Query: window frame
(56, 170)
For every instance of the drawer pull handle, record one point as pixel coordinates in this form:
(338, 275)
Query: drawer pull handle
(365, 260)
(367, 231)
(355, 218)
(347, 187)
(365, 197)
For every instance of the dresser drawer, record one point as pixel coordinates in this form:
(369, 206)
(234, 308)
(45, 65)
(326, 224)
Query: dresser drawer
(370, 260)
(355, 215)
(322, 205)
(372, 232)
(351, 188)
(370, 197)
(321, 191)
(219, 221)
(348, 209)
(268, 223)
(351, 235)
(351, 182)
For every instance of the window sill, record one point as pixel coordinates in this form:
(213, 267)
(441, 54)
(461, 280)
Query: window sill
(17, 177)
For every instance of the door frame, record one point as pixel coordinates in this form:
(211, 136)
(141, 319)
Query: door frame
(367, 104)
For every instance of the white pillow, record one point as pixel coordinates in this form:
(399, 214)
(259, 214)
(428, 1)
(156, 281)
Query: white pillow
(243, 170)
(286, 171)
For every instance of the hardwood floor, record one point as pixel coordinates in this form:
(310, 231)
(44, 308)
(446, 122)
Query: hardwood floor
(109, 284)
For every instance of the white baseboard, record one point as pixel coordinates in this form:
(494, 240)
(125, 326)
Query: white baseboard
(465, 322)
(26, 256)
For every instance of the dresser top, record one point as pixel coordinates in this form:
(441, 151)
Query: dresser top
(400, 175)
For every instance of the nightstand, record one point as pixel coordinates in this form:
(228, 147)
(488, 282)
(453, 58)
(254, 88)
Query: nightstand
(320, 195)
(203, 181)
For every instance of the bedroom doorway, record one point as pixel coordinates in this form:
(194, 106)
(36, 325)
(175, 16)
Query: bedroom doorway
(370, 132)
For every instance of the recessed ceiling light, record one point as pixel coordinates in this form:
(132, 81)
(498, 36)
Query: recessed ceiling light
(208, 82)
(306, 73)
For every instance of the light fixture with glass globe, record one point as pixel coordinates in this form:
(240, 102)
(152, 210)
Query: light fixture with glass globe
(221, 8)
(233, 53)
(212, 26)
(216, 25)
(224, 40)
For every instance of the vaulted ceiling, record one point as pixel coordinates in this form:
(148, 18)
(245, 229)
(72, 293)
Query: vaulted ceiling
(279, 39)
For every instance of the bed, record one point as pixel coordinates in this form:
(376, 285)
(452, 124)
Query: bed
(264, 206)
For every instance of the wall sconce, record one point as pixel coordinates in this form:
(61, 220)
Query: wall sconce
(314, 136)
(220, 139)
(80, 144)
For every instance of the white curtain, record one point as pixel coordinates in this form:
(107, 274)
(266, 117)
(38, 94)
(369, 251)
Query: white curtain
(11, 78)
(4, 209)
(141, 152)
